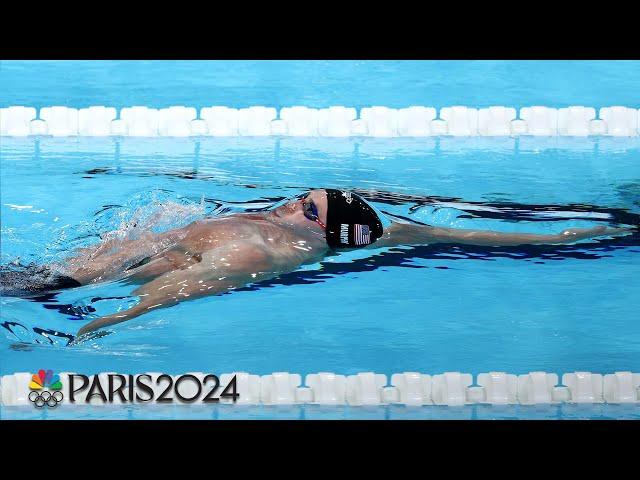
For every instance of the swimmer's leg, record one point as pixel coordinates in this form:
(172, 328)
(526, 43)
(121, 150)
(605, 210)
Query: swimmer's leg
(32, 279)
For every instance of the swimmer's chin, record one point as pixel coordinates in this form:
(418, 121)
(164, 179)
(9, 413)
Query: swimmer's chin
(287, 216)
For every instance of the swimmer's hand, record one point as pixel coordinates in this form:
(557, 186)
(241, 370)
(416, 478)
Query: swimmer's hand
(86, 336)
(87, 331)
(573, 234)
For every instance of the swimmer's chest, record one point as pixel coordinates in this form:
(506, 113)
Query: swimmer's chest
(219, 232)
(213, 233)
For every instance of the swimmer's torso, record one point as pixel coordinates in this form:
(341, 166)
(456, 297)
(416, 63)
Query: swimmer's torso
(154, 255)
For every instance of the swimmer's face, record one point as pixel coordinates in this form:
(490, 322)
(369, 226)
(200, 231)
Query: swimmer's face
(294, 210)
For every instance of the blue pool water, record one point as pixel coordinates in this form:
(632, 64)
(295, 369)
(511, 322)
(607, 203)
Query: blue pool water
(429, 309)
(556, 83)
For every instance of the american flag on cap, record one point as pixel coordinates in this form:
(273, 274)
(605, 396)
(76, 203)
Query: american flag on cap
(361, 234)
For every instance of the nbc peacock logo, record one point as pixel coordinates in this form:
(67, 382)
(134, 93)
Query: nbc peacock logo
(40, 387)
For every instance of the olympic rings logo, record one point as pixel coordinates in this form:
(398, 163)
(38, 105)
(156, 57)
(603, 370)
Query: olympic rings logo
(40, 399)
(39, 396)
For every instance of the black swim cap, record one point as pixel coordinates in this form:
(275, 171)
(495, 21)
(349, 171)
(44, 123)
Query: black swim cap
(351, 222)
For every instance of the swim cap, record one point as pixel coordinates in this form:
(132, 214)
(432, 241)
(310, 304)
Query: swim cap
(351, 222)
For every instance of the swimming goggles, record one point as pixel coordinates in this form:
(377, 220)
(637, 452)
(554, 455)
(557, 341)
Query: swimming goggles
(311, 212)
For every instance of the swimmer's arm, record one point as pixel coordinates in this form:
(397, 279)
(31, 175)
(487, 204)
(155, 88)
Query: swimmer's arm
(410, 234)
(218, 272)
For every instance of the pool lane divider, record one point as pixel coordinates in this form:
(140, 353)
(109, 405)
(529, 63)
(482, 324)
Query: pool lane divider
(335, 121)
(324, 388)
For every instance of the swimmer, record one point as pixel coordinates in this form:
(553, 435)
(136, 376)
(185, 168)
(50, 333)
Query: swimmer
(216, 255)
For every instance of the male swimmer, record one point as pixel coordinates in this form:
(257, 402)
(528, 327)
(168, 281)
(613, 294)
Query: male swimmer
(214, 255)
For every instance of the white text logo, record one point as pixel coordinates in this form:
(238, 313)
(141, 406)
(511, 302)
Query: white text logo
(344, 233)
